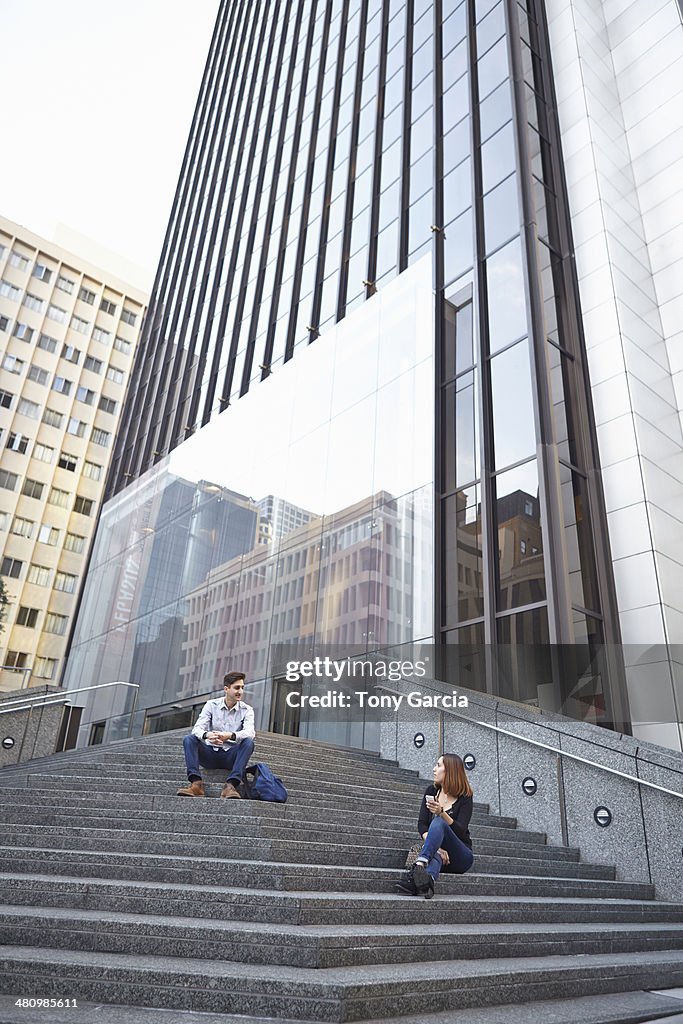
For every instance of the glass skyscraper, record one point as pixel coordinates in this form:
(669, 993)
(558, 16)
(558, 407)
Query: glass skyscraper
(412, 297)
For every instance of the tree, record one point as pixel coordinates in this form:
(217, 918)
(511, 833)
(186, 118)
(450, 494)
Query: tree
(4, 601)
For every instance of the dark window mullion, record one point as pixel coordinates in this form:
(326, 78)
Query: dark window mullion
(377, 169)
(405, 156)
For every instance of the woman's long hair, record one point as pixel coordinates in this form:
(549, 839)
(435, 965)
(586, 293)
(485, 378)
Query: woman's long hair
(455, 781)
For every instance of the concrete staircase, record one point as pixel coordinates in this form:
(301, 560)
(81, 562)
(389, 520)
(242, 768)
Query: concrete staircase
(136, 902)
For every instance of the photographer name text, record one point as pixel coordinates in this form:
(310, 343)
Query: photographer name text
(365, 699)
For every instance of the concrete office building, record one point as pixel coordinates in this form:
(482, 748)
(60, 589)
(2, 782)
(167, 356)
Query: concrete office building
(68, 332)
(426, 256)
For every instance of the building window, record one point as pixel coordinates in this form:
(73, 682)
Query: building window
(101, 437)
(65, 582)
(4, 323)
(67, 462)
(3, 520)
(6, 399)
(115, 374)
(85, 395)
(80, 325)
(62, 385)
(74, 542)
(108, 307)
(65, 284)
(16, 659)
(15, 259)
(121, 345)
(8, 481)
(38, 574)
(17, 443)
(107, 405)
(11, 567)
(56, 623)
(92, 470)
(27, 616)
(23, 527)
(47, 343)
(43, 452)
(83, 505)
(42, 272)
(52, 418)
(71, 354)
(32, 488)
(12, 364)
(522, 546)
(48, 535)
(37, 374)
(33, 302)
(9, 291)
(22, 331)
(28, 408)
(57, 313)
(45, 668)
(86, 295)
(128, 317)
(58, 497)
(99, 334)
(76, 427)
(95, 365)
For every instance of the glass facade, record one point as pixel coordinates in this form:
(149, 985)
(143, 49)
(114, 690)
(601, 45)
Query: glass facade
(347, 158)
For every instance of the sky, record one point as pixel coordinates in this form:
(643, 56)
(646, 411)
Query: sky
(97, 101)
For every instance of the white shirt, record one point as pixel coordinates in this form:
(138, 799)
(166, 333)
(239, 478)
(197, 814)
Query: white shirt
(215, 717)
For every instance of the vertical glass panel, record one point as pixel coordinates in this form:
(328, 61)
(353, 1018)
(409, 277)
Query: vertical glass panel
(521, 575)
(579, 540)
(498, 157)
(456, 145)
(560, 367)
(422, 135)
(463, 567)
(523, 659)
(482, 8)
(458, 351)
(506, 296)
(495, 110)
(463, 663)
(456, 103)
(501, 213)
(454, 28)
(512, 406)
(454, 65)
(387, 250)
(492, 68)
(460, 432)
(458, 246)
(419, 222)
(421, 176)
(491, 28)
(457, 191)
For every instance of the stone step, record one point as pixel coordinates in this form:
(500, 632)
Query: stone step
(248, 824)
(620, 1008)
(316, 847)
(332, 994)
(321, 946)
(486, 901)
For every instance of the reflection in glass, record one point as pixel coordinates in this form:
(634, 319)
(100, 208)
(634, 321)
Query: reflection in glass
(464, 659)
(579, 541)
(559, 367)
(458, 246)
(501, 213)
(506, 296)
(463, 579)
(495, 110)
(460, 432)
(498, 157)
(521, 576)
(523, 659)
(512, 403)
(458, 348)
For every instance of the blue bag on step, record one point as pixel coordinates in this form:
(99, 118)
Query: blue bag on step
(260, 784)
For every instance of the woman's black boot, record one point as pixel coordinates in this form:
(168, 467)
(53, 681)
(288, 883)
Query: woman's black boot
(423, 881)
(407, 883)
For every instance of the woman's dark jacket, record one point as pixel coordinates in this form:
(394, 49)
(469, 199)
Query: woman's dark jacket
(460, 812)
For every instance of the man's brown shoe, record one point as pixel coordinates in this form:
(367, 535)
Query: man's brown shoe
(230, 792)
(195, 788)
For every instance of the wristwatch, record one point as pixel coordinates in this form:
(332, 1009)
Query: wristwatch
(204, 735)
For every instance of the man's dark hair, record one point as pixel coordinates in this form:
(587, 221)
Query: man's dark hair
(232, 677)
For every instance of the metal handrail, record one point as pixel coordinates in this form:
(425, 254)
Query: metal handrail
(47, 696)
(554, 750)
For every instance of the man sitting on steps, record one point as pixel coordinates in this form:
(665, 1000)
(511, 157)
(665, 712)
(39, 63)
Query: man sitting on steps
(222, 737)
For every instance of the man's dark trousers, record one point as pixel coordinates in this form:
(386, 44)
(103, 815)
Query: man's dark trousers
(235, 759)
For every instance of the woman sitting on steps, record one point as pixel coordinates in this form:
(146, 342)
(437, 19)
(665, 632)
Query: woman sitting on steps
(445, 814)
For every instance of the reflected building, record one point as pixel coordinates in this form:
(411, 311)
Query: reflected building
(413, 262)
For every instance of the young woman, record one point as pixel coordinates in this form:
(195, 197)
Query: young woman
(445, 814)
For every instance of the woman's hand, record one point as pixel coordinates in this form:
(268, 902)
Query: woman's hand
(433, 806)
(445, 859)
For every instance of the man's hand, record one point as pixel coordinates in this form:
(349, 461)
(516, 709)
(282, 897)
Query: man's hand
(215, 738)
